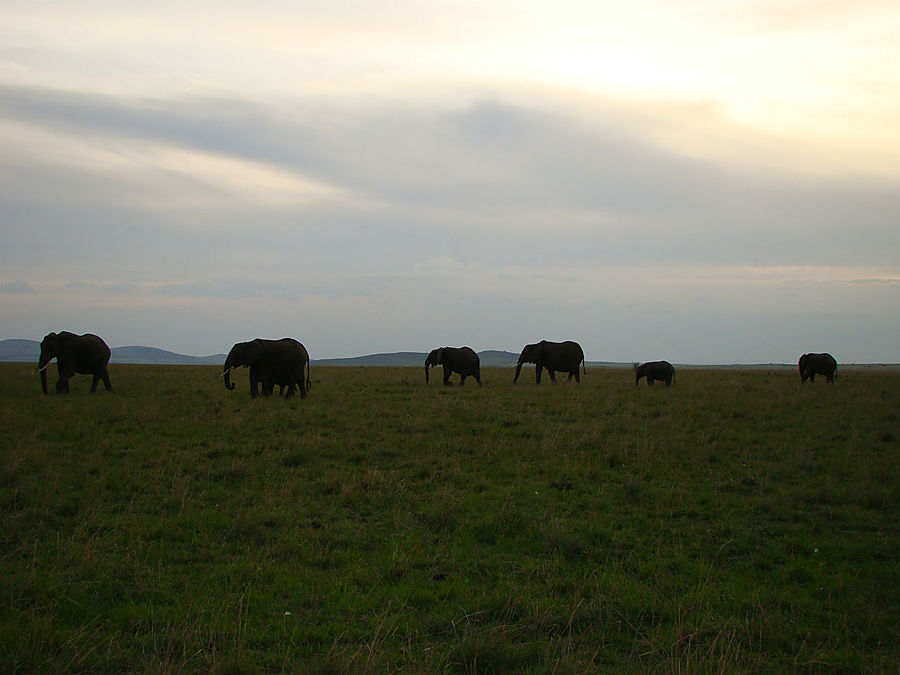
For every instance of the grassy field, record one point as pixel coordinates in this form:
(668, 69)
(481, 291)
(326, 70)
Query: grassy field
(737, 522)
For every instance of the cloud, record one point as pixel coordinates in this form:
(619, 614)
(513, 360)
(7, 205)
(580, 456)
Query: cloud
(883, 281)
(18, 286)
(102, 288)
(527, 175)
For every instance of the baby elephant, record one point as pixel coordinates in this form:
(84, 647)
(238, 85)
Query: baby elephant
(462, 360)
(654, 370)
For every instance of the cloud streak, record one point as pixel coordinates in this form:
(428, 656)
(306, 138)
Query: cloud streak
(526, 167)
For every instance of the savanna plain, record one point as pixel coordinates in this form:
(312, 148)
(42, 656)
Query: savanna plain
(735, 522)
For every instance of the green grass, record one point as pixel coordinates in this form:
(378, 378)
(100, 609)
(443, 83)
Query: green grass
(736, 522)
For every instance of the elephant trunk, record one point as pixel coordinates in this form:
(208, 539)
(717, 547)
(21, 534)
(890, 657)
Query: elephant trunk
(229, 385)
(41, 368)
(518, 370)
(433, 359)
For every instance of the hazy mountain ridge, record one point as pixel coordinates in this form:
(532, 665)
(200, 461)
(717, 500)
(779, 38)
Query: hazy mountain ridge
(489, 358)
(384, 359)
(28, 351)
(154, 355)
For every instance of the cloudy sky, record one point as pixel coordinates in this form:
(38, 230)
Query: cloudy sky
(684, 179)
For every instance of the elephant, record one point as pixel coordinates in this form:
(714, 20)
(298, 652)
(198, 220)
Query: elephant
(564, 356)
(271, 362)
(811, 365)
(654, 370)
(85, 354)
(462, 360)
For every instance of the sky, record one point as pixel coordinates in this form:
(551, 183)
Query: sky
(690, 180)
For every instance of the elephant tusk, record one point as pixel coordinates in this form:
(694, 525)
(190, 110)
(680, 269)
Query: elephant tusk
(40, 370)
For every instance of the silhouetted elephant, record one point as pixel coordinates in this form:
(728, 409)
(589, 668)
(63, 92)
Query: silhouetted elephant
(811, 365)
(654, 370)
(85, 354)
(562, 356)
(271, 363)
(462, 360)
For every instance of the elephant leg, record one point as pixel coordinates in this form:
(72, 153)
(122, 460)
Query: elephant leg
(477, 377)
(537, 373)
(94, 382)
(105, 377)
(552, 374)
(447, 373)
(254, 384)
(292, 388)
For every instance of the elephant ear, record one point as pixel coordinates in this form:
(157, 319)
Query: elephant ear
(238, 355)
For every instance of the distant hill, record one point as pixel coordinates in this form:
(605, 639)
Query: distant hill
(20, 350)
(162, 357)
(29, 351)
(394, 359)
(490, 358)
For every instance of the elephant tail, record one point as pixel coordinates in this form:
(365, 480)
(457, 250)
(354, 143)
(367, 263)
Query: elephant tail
(583, 367)
(307, 373)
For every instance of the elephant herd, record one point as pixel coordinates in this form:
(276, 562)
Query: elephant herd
(285, 363)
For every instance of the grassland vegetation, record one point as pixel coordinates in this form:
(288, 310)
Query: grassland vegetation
(737, 521)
